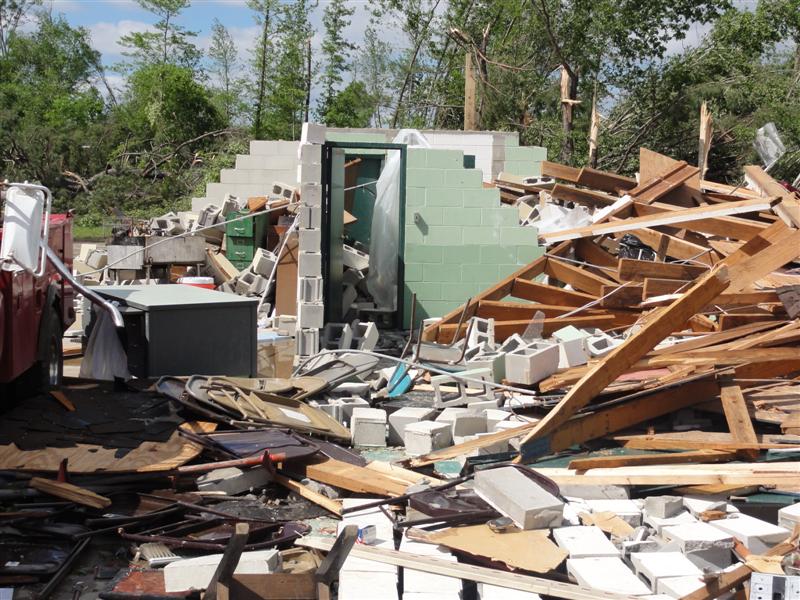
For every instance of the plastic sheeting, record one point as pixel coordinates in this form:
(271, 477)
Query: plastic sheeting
(105, 358)
(382, 277)
(22, 225)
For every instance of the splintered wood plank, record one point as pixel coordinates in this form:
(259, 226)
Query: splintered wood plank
(605, 180)
(730, 227)
(674, 218)
(747, 271)
(606, 370)
(559, 171)
(736, 413)
(69, 492)
(548, 294)
(789, 208)
(730, 321)
(667, 458)
(638, 270)
(714, 339)
(515, 311)
(672, 178)
(351, 477)
(578, 278)
(591, 252)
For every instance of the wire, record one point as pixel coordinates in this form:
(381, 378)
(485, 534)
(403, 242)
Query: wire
(180, 235)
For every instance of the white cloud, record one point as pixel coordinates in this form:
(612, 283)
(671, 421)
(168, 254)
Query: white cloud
(105, 35)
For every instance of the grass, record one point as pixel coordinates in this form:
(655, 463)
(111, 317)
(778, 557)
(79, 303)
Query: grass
(88, 233)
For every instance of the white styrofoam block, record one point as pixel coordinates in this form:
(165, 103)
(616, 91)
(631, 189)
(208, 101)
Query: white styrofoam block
(311, 194)
(196, 573)
(426, 436)
(607, 574)
(531, 364)
(309, 264)
(582, 541)
(407, 415)
(758, 536)
(518, 497)
(368, 426)
(310, 240)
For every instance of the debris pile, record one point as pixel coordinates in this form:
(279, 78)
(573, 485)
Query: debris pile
(616, 419)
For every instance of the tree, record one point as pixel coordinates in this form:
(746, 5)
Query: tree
(224, 57)
(352, 107)
(12, 13)
(375, 68)
(336, 53)
(168, 44)
(263, 58)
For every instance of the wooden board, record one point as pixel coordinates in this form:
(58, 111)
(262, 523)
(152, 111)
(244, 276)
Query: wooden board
(605, 180)
(639, 270)
(664, 458)
(67, 491)
(559, 171)
(351, 477)
(580, 279)
(591, 198)
(549, 294)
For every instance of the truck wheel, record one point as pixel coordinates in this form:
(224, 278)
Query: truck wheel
(48, 372)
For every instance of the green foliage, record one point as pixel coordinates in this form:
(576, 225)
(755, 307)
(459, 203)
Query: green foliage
(352, 107)
(228, 89)
(168, 44)
(336, 52)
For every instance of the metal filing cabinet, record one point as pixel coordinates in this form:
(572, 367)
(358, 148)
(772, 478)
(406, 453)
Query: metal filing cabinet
(184, 330)
(243, 237)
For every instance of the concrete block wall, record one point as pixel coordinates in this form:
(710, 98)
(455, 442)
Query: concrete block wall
(459, 238)
(525, 161)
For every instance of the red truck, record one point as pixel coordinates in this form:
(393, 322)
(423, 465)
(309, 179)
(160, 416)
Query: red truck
(36, 304)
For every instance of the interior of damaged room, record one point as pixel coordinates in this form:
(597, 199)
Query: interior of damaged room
(415, 359)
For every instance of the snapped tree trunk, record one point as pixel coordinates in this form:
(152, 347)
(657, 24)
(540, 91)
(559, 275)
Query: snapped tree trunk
(569, 98)
(262, 81)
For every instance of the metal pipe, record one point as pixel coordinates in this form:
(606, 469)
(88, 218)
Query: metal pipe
(95, 298)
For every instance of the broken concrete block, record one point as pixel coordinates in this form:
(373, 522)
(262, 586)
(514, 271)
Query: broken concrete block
(530, 364)
(196, 573)
(697, 506)
(310, 315)
(258, 286)
(337, 335)
(595, 492)
(653, 566)
(310, 240)
(494, 416)
(347, 405)
(627, 510)
(607, 574)
(407, 415)
(758, 536)
(368, 426)
(233, 480)
(494, 362)
(426, 436)
(515, 342)
(663, 507)
(309, 289)
(311, 192)
(286, 325)
(572, 347)
(309, 264)
(601, 343)
(263, 262)
(582, 541)
(365, 335)
(355, 259)
(658, 524)
(701, 543)
(518, 497)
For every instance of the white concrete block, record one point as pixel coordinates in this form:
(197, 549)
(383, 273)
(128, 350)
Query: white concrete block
(407, 415)
(426, 436)
(233, 481)
(196, 573)
(309, 289)
(263, 262)
(310, 240)
(463, 421)
(309, 217)
(678, 587)
(696, 537)
(307, 342)
(606, 574)
(663, 507)
(572, 347)
(758, 536)
(355, 259)
(531, 364)
(308, 173)
(309, 264)
(313, 133)
(653, 566)
(627, 510)
(495, 416)
(789, 516)
(428, 583)
(659, 524)
(698, 505)
(310, 315)
(493, 448)
(518, 497)
(311, 194)
(582, 541)
(368, 426)
(595, 492)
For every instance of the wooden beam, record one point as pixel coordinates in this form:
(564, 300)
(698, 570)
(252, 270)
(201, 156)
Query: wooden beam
(548, 294)
(727, 227)
(695, 440)
(606, 370)
(578, 278)
(351, 477)
(789, 208)
(333, 506)
(629, 296)
(666, 458)
(658, 287)
(746, 271)
(736, 414)
(505, 329)
(69, 492)
(559, 171)
(668, 180)
(227, 565)
(568, 193)
(729, 321)
(638, 270)
(674, 218)
(470, 110)
(605, 180)
(676, 247)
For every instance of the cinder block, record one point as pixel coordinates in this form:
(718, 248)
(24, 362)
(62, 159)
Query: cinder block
(441, 273)
(307, 341)
(444, 159)
(463, 178)
(758, 536)
(606, 574)
(653, 566)
(284, 190)
(354, 259)
(428, 178)
(697, 506)
(495, 416)
(407, 415)
(365, 335)
(426, 436)
(309, 289)
(309, 264)
(448, 198)
(445, 235)
(466, 217)
(310, 240)
(581, 541)
(368, 426)
(424, 254)
(311, 194)
(495, 255)
(258, 286)
(530, 364)
(309, 217)
(309, 153)
(518, 497)
(313, 133)
(658, 524)
(263, 262)
(481, 198)
(425, 216)
(663, 507)
(789, 516)
(311, 315)
(701, 541)
(572, 342)
(233, 481)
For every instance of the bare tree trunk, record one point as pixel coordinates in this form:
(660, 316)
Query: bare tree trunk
(308, 79)
(569, 98)
(594, 131)
(262, 80)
